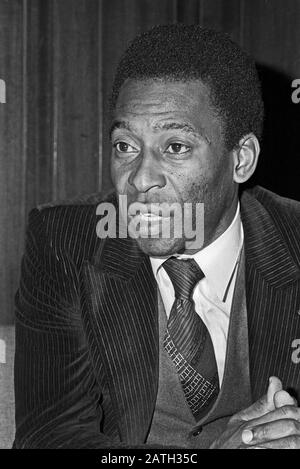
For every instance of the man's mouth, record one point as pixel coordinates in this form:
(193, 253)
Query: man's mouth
(147, 212)
(147, 220)
(148, 217)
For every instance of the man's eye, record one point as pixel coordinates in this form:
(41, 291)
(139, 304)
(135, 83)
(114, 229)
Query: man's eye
(123, 147)
(177, 149)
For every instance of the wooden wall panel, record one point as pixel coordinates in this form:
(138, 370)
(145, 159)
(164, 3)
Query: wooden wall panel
(39, 104)
(188, 12)
(76, 104)
(12, 151)
(222, 16)
(272, 33)
(64, 110)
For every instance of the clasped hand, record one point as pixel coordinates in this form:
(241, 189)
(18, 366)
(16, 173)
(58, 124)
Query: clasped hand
(272, 422)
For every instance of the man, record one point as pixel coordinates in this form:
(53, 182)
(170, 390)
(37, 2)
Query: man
(163, 341)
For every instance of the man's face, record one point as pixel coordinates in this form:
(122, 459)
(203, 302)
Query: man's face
(168, 146)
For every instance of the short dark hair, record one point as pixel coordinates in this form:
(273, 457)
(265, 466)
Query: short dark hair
(180, 52)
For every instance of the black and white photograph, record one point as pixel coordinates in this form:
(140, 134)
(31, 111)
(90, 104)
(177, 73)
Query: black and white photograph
(149, 227)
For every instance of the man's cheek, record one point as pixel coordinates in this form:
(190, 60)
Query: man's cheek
(120, 180)
(196, 192)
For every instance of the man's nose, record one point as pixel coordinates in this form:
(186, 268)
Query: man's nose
(147, 174)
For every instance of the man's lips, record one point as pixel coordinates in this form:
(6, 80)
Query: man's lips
(149, 217)
(152, 211)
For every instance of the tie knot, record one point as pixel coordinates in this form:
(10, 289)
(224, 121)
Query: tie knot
(184, 275)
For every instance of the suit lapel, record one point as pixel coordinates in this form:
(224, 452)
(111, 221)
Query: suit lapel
(121, 321)
(273, 299)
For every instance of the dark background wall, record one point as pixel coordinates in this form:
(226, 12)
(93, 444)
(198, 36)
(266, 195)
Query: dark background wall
(58, 57)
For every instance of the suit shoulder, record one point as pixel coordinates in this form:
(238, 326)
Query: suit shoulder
(260, 205)
(275, 203)
(69, 226)
(76, 208)
(84, 200)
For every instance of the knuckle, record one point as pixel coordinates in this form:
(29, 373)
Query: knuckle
(289, 411)
(295, 427)
(292, 426)
(293, 442)
(283, 411)
(261, 432)
(233, 419)
(265, 432)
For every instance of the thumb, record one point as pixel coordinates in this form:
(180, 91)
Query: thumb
(282, 398)
(264, 405)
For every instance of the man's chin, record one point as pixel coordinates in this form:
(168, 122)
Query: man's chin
(160, 247)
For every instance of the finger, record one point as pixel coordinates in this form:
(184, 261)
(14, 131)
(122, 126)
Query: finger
(252, 447)
(282, 413)
(271, 431)
(275, 385)
(282, 398)
(289, 442)
(256, 410)
(263, 405)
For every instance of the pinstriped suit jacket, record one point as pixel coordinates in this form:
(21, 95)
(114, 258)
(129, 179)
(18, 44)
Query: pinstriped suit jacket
(86, 363)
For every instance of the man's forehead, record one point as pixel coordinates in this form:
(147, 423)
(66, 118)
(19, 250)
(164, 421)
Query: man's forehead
(154, 90)
(183, 126)
(165, 105)
(162, 101)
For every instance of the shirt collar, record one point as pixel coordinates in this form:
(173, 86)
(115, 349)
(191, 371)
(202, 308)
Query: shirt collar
(218, 259)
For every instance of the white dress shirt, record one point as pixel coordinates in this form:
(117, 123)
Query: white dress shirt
(213, 294)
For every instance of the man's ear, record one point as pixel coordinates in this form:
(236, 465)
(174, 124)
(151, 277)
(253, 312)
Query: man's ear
(245, 158)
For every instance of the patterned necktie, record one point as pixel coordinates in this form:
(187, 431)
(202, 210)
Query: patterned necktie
(188, 341)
